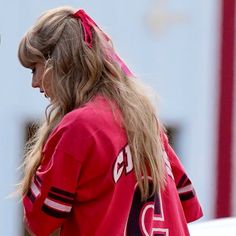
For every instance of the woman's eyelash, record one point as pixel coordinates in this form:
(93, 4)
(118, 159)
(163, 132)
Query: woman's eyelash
(33, 71)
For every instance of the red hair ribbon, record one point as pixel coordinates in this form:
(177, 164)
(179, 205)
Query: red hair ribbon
(87, 23)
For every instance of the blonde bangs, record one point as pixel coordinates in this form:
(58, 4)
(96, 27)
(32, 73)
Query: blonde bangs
(28, 53)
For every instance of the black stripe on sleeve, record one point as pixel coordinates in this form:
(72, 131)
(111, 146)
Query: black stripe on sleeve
(60, 198)
(186, 196)
(38, 179)
(62, 192)
(37, 183)
(31, 196)
(187, 182)
(182, 181)
(54, 213)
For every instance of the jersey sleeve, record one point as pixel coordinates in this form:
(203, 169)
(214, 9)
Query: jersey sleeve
(49, 201)
(187, 194)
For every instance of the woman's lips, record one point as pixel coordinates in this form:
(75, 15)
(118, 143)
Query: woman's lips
(45, 95)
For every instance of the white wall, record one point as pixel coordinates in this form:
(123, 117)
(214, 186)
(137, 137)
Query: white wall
(180, 63)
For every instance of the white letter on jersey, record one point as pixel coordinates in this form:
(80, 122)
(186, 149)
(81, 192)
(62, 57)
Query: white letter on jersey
(123, 163)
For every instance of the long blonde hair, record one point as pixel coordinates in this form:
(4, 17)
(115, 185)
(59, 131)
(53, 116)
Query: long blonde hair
(80, 73)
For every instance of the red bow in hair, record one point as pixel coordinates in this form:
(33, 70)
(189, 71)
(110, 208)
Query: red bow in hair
(87, 24)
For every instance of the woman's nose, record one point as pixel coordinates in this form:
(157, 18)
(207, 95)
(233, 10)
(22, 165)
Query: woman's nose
(35, 83)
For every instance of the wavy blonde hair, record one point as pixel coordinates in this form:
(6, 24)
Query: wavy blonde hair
(78, 74)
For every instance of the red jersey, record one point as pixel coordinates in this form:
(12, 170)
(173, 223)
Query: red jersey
(86, 186)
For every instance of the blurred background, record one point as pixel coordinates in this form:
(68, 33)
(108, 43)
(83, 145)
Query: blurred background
(184, 50)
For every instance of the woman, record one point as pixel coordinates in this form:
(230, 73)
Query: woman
(100, 164)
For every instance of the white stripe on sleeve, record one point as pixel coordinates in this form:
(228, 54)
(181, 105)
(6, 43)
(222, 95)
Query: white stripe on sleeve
(185, 189)
(57, 206)
(35, 189)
